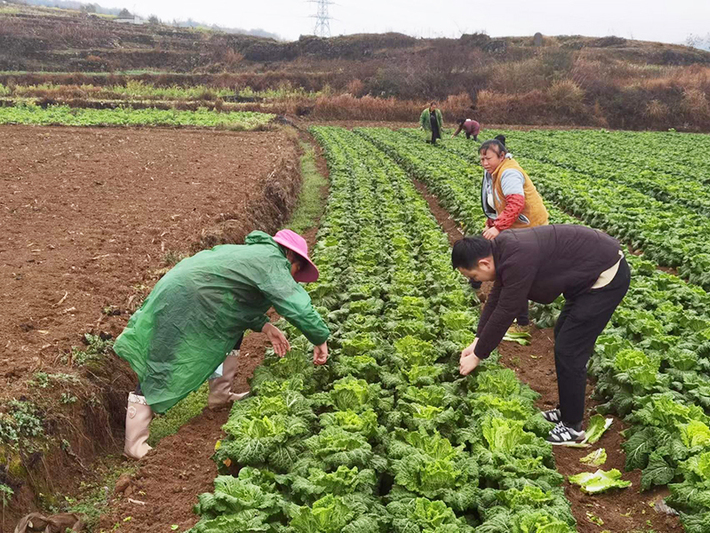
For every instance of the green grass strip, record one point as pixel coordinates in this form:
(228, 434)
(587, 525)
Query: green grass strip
(67, 116)
(310, 201)
(187, 409)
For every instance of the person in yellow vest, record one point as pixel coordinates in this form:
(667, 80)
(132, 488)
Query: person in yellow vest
(508, 196)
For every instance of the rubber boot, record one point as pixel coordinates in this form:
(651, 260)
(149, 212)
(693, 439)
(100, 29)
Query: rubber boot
(221, 393)
(138, 417)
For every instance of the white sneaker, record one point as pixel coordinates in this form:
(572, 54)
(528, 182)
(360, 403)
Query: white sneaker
(552, 415)
(562, 435)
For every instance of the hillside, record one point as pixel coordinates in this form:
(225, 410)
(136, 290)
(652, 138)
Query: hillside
(564, 80)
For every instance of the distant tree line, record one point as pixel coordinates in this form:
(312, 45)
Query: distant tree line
(93, 7)
(696, 41)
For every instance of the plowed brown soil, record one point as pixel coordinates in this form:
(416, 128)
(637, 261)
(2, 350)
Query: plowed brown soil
(628, 510)
(90, 218)
(89, 215)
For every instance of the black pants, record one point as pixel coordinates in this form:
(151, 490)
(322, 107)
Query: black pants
(582, 320)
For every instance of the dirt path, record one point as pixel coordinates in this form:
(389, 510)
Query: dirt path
(620, 511)
(170, 478)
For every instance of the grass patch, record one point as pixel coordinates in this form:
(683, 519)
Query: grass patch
(95, 495)
(67, 116)
(310, 202)
(178, 416)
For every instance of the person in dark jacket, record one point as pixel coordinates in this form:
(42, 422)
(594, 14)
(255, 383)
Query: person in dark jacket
(538, 264)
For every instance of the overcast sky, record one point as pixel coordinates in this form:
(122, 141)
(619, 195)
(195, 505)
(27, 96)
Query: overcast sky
(653, 20)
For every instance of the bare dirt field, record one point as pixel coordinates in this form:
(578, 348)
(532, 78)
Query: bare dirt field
(90, 219)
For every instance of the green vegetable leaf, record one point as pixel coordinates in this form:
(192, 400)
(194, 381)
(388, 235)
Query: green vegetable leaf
(599, 481)
(658, 472)
(596, 458)
(596, 428)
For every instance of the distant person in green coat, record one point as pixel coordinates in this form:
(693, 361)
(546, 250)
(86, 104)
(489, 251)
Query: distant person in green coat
(195, 317)
(431, 120)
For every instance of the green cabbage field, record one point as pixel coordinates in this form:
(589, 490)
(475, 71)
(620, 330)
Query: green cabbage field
(388, 436)
(63, 115)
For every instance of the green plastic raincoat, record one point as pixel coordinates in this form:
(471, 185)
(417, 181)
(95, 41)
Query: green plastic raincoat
(196, 313)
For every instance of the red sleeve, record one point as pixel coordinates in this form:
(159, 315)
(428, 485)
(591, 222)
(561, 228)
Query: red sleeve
(489, 222)
(514, 205)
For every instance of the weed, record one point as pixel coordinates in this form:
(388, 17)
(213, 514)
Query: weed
(95, 350)
(21, 421)
(94, 498)
(172, 257)
(27, 420)
(68, 398)
(44, 380)
(110, 310)
(6, 494)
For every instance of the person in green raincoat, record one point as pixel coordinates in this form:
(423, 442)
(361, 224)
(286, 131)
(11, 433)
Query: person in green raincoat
(195, 317)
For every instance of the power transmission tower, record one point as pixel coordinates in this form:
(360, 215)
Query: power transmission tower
(322, 17)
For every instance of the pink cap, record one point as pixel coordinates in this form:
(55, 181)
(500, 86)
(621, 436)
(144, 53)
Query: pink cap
(293, 241)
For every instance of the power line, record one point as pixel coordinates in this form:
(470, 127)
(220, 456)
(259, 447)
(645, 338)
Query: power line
(322, 28)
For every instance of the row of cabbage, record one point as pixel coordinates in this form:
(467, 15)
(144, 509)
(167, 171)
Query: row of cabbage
(625, 159)
(674, 157)
(387, 436)
(670, 232)
(653, 361)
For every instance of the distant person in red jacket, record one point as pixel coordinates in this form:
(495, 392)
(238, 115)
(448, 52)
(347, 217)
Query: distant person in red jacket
(539, 264)
(471, 127)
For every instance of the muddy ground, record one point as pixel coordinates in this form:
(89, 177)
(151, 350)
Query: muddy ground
(90, 220)
(164, 489)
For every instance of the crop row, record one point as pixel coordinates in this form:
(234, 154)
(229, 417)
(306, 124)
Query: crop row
(138, 90)
(675, 157)
(67, 116)
(387, 436)
(669, 234)
(616, 160)
(652, 362)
